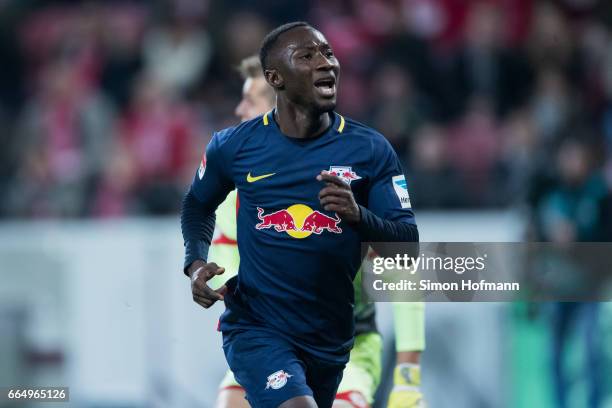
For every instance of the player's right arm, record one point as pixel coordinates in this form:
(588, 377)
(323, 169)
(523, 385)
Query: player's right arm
(210, 186)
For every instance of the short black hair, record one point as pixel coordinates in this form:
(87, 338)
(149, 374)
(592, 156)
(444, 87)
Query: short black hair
(272, 37)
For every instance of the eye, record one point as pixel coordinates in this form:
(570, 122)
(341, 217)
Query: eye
(328, 53)
(306, 57)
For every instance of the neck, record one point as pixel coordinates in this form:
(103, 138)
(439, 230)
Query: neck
(298, 122)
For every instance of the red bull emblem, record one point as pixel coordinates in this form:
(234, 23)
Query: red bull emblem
(318, 222)
(281, 220)
(346, 173)
(299, 221)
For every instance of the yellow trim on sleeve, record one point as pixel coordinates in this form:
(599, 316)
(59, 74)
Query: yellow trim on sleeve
(341, 127)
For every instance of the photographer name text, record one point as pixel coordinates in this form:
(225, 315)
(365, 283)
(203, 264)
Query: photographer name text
(426, 285)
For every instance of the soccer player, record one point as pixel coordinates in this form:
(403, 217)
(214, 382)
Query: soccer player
(362, 373)
(312, 185)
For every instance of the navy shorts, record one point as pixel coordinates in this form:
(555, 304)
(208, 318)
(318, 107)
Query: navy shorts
(272, 370)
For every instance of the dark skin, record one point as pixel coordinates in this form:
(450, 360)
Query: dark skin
(304, 73)
(299, 402)
(337, 196)
(201, 272)
(301, 59)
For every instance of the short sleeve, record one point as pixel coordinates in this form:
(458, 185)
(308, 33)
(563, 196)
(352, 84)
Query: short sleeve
(226, 216)
(388, 197)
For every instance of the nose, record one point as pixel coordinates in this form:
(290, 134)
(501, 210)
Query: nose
(240, 109)
(325, 63)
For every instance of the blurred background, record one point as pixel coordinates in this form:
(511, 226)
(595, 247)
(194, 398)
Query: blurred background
(500, 110)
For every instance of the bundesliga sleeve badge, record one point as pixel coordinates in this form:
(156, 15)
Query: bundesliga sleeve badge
(202, 168)
(401, 190)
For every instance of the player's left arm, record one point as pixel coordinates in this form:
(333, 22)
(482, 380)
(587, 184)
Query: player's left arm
(388, 216)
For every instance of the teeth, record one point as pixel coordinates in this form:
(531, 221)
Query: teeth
(326, 90)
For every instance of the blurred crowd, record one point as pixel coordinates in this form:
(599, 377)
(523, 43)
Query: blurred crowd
(106, 106)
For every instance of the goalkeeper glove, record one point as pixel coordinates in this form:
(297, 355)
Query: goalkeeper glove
(406, 392)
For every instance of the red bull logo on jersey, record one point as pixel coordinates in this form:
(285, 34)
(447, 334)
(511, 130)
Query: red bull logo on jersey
(277, 380)
(318, 222)
(346, 173)
(298, 221)
(281, 220)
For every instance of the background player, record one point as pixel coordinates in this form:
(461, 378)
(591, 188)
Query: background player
(305, 119)
(362, 373)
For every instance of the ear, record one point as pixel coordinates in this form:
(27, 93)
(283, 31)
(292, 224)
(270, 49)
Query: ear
(274, 78)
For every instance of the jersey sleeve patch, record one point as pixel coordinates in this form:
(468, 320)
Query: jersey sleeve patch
(202, 168)
(401, 190)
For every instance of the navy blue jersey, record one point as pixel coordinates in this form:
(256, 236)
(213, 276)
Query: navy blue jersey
(297, 261)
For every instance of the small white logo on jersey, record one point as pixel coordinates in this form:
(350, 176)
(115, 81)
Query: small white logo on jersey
(277, 380)
(346, 173)
(401, 189)
(202, 168)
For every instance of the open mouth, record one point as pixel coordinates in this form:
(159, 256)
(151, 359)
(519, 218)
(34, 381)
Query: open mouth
(326, 86)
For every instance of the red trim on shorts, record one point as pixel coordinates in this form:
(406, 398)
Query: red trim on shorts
(232, 387)
(346, 396)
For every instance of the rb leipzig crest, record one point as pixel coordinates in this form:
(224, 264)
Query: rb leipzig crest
(277, 380)
(346, 173)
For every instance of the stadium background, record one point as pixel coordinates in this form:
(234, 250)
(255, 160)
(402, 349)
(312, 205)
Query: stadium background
(500, 110)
